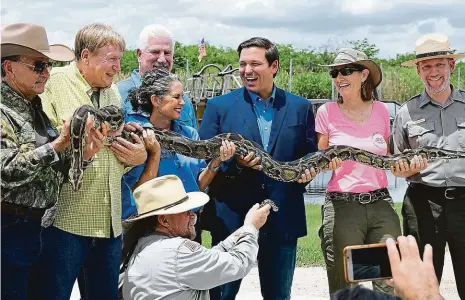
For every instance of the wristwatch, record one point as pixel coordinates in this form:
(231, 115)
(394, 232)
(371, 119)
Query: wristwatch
(214, 169)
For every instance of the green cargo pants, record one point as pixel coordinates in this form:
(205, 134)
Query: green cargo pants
(351, 223)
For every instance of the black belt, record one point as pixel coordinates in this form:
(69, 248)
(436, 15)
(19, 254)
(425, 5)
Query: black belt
(23, 211)
(450, 193)
(362, 198)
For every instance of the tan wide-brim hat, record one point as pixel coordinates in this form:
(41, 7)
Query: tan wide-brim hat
(347, 56)
(31, 39)
(432, 46)
(165, 195)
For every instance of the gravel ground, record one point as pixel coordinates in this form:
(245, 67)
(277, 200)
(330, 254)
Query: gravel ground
(310, 283)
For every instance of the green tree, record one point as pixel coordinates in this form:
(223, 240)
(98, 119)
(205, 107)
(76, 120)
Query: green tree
(363, 45)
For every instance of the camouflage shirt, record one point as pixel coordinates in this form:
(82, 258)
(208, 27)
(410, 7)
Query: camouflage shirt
(30, 174)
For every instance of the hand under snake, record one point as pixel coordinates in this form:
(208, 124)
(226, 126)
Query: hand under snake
(208, 149)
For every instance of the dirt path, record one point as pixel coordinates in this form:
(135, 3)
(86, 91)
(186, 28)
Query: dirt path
(311, 283)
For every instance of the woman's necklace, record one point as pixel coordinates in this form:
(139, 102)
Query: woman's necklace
(359, 116)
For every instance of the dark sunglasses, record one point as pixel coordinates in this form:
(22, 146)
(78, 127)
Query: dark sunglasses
(344, 72)
(39, 66)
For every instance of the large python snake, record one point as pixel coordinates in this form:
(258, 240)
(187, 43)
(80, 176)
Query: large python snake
(207, 149)
(111, 115)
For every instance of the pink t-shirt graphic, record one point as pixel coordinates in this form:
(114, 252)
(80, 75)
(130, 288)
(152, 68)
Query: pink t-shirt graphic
(352, 176)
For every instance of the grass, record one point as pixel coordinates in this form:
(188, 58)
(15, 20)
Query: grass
(308, 248)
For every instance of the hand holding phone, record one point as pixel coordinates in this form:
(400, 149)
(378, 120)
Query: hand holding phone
(366, 263)
(412, 277)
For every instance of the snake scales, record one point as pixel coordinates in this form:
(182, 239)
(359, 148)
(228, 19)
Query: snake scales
(207, 149)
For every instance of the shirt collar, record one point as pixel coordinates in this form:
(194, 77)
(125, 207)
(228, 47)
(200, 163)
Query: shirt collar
(81, 78)
(255, 97)
(457, 95)
(136, 77)
(454, 96)
(12, 99)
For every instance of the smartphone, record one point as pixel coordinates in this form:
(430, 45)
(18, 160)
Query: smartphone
(367, 263)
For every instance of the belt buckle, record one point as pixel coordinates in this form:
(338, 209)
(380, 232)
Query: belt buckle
(361, 198)
(447, 191)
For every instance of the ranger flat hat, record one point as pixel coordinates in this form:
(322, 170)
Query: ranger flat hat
(165, 195)
(31, 39)
(347, 56)
(432, 46)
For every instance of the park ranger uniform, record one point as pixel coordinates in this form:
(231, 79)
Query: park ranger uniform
(164, 267)
(434, 204)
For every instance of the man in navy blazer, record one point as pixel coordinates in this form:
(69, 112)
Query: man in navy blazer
(284, 125)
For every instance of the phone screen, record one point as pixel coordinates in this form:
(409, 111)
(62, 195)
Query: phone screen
(370, 263)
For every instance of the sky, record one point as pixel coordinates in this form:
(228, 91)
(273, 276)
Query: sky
(393, 25)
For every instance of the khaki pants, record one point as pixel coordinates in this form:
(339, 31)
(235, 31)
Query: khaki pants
(346, 223)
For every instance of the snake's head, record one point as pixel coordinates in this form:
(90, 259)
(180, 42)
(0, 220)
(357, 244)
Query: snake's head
(75, 178)
(118, 126)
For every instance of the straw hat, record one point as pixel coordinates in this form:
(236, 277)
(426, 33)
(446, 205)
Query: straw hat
(165, 195)
(31, 39)
(347, 56)
(432, 46)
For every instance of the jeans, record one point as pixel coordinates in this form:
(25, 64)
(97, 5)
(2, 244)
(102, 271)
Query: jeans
(433, 219)
(276, 265)
(94, 260)
(21, 247)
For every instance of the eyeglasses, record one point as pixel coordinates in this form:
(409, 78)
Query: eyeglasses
(344, 72)
(39, 66)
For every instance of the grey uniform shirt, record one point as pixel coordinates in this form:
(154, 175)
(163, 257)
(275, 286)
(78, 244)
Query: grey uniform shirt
(423, 122)
(178, 268)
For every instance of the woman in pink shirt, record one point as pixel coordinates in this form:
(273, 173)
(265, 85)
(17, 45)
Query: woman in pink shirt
(358, 208)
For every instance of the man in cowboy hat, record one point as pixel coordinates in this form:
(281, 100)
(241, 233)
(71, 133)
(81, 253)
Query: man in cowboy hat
(164, 263)
(434, 203)
(33, 156)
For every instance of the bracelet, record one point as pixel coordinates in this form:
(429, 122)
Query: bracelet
(214, 169)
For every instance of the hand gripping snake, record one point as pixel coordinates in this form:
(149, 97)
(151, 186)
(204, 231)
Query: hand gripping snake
(208, 149)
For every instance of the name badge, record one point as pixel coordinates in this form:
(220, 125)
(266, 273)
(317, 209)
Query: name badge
(417, 122)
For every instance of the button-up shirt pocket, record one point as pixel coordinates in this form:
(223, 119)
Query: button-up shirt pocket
(421, 135)
(461, 131)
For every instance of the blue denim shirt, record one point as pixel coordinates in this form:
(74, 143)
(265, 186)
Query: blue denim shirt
(264, 115)
(135, 81)
(186, 168)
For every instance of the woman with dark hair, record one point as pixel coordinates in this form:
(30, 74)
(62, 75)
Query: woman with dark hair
(160, 99)
(358, 208)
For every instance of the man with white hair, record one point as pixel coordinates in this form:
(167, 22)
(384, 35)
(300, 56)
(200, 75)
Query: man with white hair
(434, 203)
(155, 51)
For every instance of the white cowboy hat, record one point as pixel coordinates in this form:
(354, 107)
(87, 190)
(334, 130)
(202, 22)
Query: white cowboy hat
(347, 56)
(165, 195)
(31, 39)
(432, 46)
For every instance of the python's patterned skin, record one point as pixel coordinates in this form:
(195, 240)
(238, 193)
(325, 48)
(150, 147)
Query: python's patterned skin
(207, 149)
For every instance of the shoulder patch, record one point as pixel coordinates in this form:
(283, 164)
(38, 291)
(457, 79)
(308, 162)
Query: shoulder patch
(191, 245)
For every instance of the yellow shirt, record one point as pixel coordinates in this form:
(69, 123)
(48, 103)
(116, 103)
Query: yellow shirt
(95, 209)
